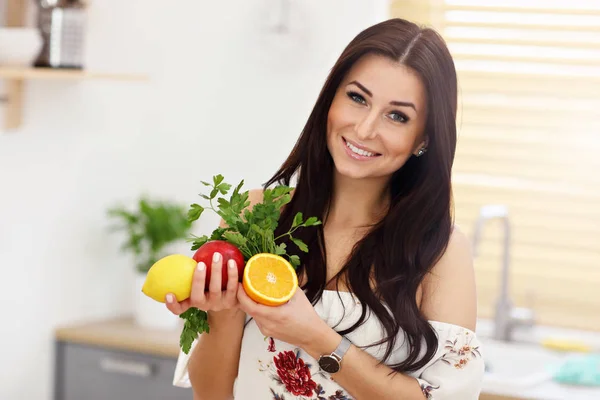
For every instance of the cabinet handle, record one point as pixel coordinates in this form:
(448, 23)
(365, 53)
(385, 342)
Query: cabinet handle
(126, 367)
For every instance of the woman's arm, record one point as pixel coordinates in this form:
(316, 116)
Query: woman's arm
(213, 364)
(448, 296)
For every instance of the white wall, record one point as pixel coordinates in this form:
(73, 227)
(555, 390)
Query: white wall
(226, 96)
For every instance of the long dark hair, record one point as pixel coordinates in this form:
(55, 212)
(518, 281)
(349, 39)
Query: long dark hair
(401, 249)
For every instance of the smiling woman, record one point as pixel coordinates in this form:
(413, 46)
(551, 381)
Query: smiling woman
(365, 123)
(387, 308)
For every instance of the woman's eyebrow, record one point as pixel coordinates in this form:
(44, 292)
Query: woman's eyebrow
(394, 103)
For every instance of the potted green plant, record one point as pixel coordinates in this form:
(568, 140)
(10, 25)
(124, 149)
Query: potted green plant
(152, 230)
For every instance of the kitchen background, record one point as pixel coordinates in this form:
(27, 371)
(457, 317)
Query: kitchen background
(174, 93)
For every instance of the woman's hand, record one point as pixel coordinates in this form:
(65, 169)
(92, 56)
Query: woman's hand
(295, 322)
(214, 299)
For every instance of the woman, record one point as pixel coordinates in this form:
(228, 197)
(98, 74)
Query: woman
(388, 308)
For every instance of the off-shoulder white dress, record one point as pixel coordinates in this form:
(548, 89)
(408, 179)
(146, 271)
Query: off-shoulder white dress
(274, 370)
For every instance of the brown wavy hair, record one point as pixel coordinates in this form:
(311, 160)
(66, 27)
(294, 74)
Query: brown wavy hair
(401, 249)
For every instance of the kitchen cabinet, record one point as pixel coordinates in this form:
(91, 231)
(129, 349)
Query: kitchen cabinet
(114, 360)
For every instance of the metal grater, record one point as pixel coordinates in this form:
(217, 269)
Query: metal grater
(62, 26)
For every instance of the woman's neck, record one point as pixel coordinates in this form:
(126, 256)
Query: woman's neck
(357, 202)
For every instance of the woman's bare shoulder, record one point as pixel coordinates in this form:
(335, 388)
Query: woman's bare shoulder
(449, 291)
(255, 196)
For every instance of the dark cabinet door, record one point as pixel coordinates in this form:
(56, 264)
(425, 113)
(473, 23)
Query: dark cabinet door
(92, 373)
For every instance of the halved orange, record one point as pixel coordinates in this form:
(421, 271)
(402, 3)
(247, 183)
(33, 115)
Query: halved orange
(269, 279)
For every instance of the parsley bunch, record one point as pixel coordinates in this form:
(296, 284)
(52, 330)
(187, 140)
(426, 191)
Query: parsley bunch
(251, 231)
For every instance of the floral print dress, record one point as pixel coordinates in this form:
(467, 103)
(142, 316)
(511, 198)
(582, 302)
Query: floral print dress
(273, 370)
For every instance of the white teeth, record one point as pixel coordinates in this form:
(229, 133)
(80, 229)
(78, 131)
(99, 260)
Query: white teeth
(358, 151)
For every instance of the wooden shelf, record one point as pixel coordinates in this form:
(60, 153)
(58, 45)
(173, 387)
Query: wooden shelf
(15, 77)
(29, 73)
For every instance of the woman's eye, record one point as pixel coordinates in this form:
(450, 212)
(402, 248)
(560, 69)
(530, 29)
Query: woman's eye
(398, 117)
(357, 98)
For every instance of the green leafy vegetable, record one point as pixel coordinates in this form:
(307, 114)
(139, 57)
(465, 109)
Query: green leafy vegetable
(251, 231)
(195, 321)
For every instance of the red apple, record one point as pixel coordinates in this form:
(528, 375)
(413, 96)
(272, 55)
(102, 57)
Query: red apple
(228, 251)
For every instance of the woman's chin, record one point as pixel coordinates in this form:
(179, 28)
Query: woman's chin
(354, 173)
(351, 172)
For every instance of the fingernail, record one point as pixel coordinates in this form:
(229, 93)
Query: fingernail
(231, 264)
(201, 266)
(169, 298)
(216, 257)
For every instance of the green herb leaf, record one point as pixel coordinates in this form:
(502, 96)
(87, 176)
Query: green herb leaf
(194, 212)
(257, 229)
(235, 238)
(218, 234)
(199, 242)
(217, 179)
(297, 220)
(282, 201)
(196, 322)
(295, 261)
(238, 188)
(223, 203)
(224, 188)
(281, 190)
(312, 221)
(205, 183)
(280, 249)
(301, 245)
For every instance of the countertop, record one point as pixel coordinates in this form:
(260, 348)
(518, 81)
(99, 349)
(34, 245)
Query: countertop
(122, 334)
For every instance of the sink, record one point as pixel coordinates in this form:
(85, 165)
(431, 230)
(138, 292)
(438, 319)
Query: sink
(517, 367)
(523, 368)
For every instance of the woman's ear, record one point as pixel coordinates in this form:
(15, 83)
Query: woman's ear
(421, 148)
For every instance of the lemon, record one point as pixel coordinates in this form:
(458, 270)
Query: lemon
(170, 274)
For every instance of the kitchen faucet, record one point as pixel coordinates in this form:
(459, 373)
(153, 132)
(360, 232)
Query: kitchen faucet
(506, 316)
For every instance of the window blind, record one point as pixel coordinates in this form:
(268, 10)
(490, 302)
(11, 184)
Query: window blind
(529, 138)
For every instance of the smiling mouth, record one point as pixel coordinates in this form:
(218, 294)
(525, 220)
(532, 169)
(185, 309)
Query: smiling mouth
(358, 151)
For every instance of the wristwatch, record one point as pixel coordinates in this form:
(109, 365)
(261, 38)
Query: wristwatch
(331, 363)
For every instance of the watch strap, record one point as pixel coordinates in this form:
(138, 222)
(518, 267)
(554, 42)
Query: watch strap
(342, 348)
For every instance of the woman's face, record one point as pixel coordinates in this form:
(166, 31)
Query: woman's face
(376, 119)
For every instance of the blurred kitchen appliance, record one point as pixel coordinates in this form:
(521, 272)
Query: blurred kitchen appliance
(62, 26)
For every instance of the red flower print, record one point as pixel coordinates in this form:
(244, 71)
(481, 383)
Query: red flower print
(271, 347)
(294, 374)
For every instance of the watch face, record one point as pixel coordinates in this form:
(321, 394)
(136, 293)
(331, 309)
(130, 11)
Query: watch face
(329, 364)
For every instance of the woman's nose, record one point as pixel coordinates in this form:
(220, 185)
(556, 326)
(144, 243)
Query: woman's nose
(366, 128)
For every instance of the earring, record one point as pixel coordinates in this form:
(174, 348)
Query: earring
(421, 152)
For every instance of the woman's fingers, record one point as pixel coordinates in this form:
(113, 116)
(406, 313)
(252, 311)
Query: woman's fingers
(232, 283)
(174, 306)
(198, 285)
(215, 298)
(214, 286)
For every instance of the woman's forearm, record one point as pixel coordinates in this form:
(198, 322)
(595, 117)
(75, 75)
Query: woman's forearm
(361, 376)
(213, 365)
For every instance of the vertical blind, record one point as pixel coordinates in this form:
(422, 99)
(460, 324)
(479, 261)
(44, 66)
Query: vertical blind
(529, 138)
